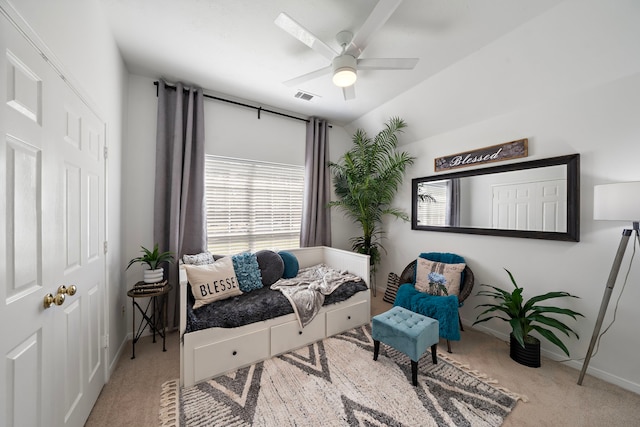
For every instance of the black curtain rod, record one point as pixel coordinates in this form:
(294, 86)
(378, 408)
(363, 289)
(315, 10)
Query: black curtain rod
(260, 109)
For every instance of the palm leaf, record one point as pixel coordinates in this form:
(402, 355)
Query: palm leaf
(366, 180)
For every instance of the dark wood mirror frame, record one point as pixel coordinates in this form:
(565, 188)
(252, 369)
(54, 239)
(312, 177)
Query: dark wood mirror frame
(572, 233)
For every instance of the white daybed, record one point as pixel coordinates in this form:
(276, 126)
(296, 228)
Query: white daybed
(211, 352)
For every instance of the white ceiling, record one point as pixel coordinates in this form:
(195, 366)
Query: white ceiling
(233, 47)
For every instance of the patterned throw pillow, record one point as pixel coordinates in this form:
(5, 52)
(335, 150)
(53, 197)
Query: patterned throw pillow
(247, 271)
(450, 271)
(393, 282)
(212, 282)
(198, 259)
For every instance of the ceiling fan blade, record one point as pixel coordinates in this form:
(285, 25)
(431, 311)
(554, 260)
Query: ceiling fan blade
(380, 14)
(292, 27)
(349, 92)
(387, 63)
(308, 76)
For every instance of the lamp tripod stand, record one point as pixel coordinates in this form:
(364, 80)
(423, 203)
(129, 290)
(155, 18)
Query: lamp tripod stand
(615, 268)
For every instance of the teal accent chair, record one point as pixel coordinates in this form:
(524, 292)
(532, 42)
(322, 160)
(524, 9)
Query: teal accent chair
(442, 308)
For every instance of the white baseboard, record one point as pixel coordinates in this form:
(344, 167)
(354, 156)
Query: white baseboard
(113, 363)
(577, 365)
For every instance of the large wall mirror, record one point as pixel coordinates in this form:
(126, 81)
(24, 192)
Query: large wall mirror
(539, 199)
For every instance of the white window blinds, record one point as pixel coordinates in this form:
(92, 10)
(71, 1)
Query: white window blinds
(432, 208)
(252, 205)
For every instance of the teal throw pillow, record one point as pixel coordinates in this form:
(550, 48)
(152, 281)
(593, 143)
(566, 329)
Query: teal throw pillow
(247, 271)
(291, 265)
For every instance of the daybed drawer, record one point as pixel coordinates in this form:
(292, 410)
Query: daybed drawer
(289, 336)
(223, 356)
(345, 318)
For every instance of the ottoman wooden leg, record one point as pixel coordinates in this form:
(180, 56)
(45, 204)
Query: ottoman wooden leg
(376, 349)
(414, 372)
(434, 355)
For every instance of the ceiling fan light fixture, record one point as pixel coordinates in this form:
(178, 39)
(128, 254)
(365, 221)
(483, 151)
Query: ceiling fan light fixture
(344, 70)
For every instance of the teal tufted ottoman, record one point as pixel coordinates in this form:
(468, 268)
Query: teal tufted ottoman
(408, 332)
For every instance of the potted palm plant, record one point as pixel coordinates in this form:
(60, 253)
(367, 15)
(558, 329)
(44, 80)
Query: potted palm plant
(366, 179)
(153, 259)
(526, 317)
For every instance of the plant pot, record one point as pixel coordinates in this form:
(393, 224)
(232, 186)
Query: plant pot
(154, 276)
(527, 356)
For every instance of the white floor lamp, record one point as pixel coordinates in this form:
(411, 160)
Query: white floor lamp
(617, 202)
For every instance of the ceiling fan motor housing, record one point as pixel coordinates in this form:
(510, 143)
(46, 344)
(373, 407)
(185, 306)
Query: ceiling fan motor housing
(344, 70)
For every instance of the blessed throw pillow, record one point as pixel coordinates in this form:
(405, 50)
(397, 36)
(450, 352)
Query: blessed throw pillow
(212, 282)
(451, 272)
(291, 265)
(247, 271)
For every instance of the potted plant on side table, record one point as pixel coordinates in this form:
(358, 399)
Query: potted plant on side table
(153, 259)
(525, 317)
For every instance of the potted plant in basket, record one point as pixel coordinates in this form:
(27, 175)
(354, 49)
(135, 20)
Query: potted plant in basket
(525, 317)
(153, 259)
(366, 179)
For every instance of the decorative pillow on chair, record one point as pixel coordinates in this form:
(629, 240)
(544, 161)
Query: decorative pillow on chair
(451, 272)
(212, 282)
(247, 271)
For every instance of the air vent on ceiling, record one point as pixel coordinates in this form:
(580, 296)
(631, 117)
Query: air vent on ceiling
(306, 96)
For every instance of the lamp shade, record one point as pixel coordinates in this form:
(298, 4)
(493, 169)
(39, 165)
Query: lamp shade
(617, 202)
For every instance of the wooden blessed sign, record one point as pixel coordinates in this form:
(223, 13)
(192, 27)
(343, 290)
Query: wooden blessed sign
(495, 153)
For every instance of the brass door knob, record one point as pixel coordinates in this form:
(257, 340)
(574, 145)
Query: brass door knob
(59, 297)
(71, 290)
(50, 300)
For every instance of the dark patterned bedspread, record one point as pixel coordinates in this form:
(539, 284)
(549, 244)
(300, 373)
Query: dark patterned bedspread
(255, 306)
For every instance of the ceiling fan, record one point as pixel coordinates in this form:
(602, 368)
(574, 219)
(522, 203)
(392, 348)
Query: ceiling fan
(345, 64)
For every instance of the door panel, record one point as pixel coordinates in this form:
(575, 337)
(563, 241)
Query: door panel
(83, 217)
(23, 189)
(51, 234)
(26, 380)
(22, 380)
(537, 205)
(94, 349)
(72, 226)
(72, 340)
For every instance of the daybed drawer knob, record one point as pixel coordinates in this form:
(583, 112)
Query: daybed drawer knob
(299, 332)
(348, 317)
(234, 352)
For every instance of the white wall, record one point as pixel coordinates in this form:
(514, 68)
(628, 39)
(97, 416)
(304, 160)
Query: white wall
(569, 80)
(77, 34)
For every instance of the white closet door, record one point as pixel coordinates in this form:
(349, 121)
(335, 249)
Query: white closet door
(51, 234)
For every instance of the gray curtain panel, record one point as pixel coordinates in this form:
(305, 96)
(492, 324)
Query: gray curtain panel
(179, 206)
(316, 215)
(453, 208)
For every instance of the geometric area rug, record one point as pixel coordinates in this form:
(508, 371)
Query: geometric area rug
(336, 382)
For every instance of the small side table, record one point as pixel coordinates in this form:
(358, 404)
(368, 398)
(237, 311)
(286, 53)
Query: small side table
(157, 319)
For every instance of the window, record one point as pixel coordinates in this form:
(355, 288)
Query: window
(432, 203)
(252, 205)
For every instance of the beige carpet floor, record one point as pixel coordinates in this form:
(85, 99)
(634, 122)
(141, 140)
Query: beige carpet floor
(132, 396)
